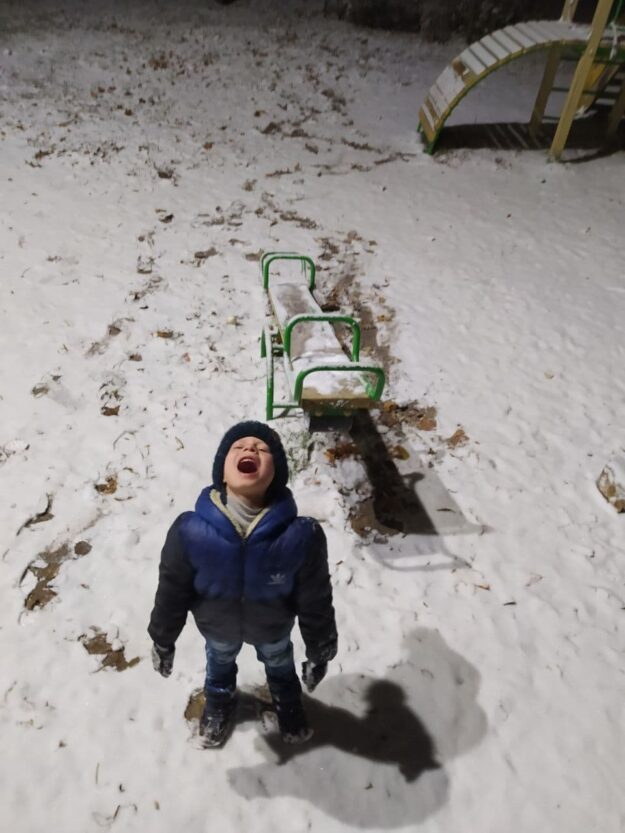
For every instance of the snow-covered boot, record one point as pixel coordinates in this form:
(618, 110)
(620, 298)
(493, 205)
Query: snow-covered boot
(292, 721)
(217, 721)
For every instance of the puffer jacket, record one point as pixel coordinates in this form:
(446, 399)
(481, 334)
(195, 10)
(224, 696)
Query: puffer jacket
(246, 589)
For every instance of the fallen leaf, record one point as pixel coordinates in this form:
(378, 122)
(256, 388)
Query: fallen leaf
(398, 452)
(109, 487)
(457, 438)
(203, 255)
(340, 451)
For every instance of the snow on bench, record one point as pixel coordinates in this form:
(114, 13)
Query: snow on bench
(312, 344)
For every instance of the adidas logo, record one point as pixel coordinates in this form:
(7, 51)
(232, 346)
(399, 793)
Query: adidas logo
(277, 578)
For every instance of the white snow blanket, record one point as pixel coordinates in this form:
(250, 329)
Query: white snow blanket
(150, 151)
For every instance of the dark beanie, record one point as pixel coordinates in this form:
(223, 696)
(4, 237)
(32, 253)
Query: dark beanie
(263, 432)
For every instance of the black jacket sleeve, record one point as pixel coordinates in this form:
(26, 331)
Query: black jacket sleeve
(313, 601)
(175, 592)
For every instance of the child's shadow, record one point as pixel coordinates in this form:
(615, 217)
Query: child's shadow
(388, 733)
(372, 762)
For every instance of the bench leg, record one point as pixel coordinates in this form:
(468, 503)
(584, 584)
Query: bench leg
(268, 353)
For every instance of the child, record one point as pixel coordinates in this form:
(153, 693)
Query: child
(246, 565)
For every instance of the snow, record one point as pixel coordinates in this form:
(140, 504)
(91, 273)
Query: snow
(491, 637)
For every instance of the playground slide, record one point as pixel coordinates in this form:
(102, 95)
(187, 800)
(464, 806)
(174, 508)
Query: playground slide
(498, 48)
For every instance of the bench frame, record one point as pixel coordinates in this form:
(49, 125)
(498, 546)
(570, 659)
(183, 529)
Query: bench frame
(276, 342)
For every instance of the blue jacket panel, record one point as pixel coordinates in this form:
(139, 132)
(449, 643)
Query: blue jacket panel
(260, 568)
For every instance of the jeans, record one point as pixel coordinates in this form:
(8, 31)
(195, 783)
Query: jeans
(221, 671)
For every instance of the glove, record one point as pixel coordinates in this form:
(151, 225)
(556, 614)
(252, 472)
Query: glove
(163, 659)
(313, 673)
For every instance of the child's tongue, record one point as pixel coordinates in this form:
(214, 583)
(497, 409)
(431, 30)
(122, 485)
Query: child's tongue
(247, 466)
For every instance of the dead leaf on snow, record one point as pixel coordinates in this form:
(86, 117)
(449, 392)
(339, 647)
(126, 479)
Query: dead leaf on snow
(457, 438)
(205, 254)
(108, 487)
(394, 415)
(272, 127)
(340, 451)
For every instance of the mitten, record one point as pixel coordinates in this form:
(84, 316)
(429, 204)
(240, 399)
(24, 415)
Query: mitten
(163, 659)
(313, 673)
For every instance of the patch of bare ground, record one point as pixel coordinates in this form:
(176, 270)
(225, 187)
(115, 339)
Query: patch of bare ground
(365, 520)
(345, 450)
(195, 705)
(395, 415)
(97, 643)
(345, 295)
(46, 568)
(249, 706)
(391, 506)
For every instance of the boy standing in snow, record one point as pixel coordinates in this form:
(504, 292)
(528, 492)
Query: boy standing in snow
(246, 565)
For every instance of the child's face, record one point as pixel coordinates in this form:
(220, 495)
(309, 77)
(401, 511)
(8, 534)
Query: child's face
(248, 469)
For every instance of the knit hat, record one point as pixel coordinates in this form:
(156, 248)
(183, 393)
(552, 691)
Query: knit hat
(263, 432)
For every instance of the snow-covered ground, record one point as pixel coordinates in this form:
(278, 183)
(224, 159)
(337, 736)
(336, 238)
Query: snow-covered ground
(149, 152)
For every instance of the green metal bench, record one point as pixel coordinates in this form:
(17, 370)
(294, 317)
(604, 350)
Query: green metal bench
(321, 377)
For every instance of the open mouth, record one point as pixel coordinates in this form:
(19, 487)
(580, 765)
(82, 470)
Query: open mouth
(247, 466)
